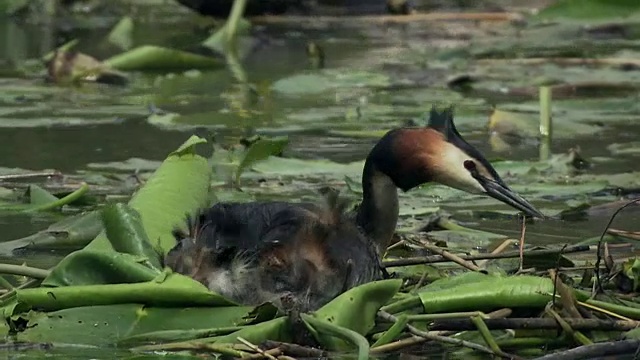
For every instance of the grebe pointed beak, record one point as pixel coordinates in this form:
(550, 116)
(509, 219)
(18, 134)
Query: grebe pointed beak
(503, 193)
(498, 190)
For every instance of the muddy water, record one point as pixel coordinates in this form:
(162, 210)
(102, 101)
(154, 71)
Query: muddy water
(69, 129)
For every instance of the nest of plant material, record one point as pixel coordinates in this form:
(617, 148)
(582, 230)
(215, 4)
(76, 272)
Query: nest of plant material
(114, 291)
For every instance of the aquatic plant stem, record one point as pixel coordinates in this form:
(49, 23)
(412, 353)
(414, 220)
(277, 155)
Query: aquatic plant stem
(535, 323)
(328, 328)
(62, 201)
(486, 335)
(599, 350)
(225, 349)
(295, 349)
(511, 254)
(576, 335)
(237, 11)
(23, 270)
(443, 339)
(545, 122)
(385, 19)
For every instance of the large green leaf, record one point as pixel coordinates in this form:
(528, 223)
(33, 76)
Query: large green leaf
(178, 187)
(126, 234)
(165, 290)
(128, 323)
(89, 267)
(488, 293)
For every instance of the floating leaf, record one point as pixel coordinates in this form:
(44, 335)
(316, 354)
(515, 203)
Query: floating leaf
(489, 293)
(122, 33)
(107, 325)
(150, 57)
(356, 309)
(72, 66)
(40, 196)
(178, 187)
(217, 41)
(87, 267)
(260, 150)
(173, 290)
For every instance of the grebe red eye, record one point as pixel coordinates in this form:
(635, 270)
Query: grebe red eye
(469, 165)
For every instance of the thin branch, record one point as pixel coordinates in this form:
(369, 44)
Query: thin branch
(450, 256)
(510, 254)
(598, 350)
(382, 19)
(598, 289)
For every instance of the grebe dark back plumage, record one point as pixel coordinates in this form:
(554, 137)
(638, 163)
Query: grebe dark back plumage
(302, 255)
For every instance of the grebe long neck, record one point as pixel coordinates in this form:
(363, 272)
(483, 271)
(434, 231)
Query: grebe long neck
(378, 213)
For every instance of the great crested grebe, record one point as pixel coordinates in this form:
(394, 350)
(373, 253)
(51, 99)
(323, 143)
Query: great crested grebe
(302, 255)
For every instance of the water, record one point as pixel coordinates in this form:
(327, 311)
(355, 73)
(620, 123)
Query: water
(46, 127)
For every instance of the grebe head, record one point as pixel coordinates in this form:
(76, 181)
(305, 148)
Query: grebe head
(438, 153)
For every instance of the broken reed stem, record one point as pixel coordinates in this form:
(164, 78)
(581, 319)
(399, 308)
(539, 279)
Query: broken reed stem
(443, 339)
(295, 349)
(511, 254)
(502, 247)
(521, 243)
(256, 349)
(30, 176)
(564, 61)
(535, 324)
(577, 336)
(382, 19)
(450, 256)
(545, 122)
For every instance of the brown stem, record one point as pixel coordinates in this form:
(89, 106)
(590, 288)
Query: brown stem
(381, 19)
(511, 254)
(598, 350)
(535, 323)
(294, 349)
